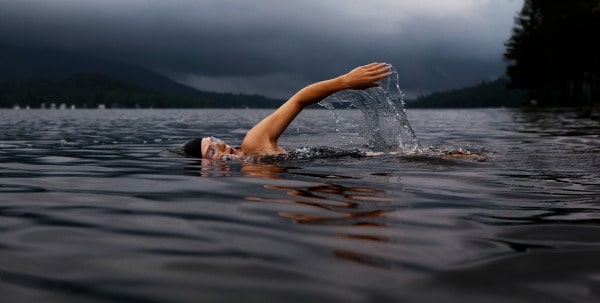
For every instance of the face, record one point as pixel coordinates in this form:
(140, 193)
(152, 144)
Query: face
(215, 149)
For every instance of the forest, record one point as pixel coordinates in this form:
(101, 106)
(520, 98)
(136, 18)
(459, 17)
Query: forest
(89, 90)
(484, 94)
(554, 52)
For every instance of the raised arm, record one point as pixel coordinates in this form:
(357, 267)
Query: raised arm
(262, 138)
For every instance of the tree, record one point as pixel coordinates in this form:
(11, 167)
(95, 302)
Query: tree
(553, 52)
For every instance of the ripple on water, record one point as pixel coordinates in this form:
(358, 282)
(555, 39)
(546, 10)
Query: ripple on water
(57, 159)
(131, 222)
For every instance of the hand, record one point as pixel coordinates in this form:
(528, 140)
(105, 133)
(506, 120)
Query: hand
(366, 76)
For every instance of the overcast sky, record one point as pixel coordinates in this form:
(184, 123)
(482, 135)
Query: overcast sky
(274, 47)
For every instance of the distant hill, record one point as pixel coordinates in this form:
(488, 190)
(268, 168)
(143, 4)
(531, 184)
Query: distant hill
(89, 90)
(485, 94)
(23, 63)
(37, 68)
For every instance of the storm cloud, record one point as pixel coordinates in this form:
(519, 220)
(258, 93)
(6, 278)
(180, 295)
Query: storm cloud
(274, 47)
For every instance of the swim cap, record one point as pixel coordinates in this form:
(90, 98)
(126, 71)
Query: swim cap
(193, 148)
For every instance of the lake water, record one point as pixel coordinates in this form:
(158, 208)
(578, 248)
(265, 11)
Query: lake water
(96, 206)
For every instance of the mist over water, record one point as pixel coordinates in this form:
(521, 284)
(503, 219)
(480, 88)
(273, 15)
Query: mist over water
(384, 124)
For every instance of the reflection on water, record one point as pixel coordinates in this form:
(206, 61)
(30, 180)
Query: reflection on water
(325, 203)
(209, 168)
(266, 171)
(342, 205)
(334, 205)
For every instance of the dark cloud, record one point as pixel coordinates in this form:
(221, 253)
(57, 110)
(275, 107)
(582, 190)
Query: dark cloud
(274, 47)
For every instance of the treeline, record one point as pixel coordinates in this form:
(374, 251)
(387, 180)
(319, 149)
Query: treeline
(485, 94)
(88, 90)
(554, 53)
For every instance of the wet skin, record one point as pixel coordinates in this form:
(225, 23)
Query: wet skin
(215, 149)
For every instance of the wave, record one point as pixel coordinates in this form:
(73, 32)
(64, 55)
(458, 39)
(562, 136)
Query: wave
(385, 126)
(316, 153)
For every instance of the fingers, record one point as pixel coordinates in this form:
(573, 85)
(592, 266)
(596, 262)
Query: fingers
(371, 64)
(366, 76)
(375, 69)
(376, 65)
(378, 71)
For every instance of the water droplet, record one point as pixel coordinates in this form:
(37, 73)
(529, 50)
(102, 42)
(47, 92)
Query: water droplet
(385, 125)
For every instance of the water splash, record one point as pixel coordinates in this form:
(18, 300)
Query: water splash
(385, 126)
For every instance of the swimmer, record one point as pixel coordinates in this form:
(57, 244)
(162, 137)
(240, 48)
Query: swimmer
(262, 139)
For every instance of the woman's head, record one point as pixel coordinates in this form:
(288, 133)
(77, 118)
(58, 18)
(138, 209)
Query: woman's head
(209, 148)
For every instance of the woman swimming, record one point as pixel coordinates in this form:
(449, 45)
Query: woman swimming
(262, 138)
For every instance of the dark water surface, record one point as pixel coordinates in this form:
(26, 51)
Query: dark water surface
(95, 207)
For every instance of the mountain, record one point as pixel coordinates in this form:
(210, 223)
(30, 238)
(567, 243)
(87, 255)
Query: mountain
(24, 65)
(485, 94)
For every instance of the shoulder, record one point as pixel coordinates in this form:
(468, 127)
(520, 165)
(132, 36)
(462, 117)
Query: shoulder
(261, 147)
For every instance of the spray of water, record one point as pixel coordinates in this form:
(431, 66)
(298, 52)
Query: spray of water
(385, 126)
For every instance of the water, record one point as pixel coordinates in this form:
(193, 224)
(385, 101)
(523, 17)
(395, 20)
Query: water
(384, 124)
(96, 207)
